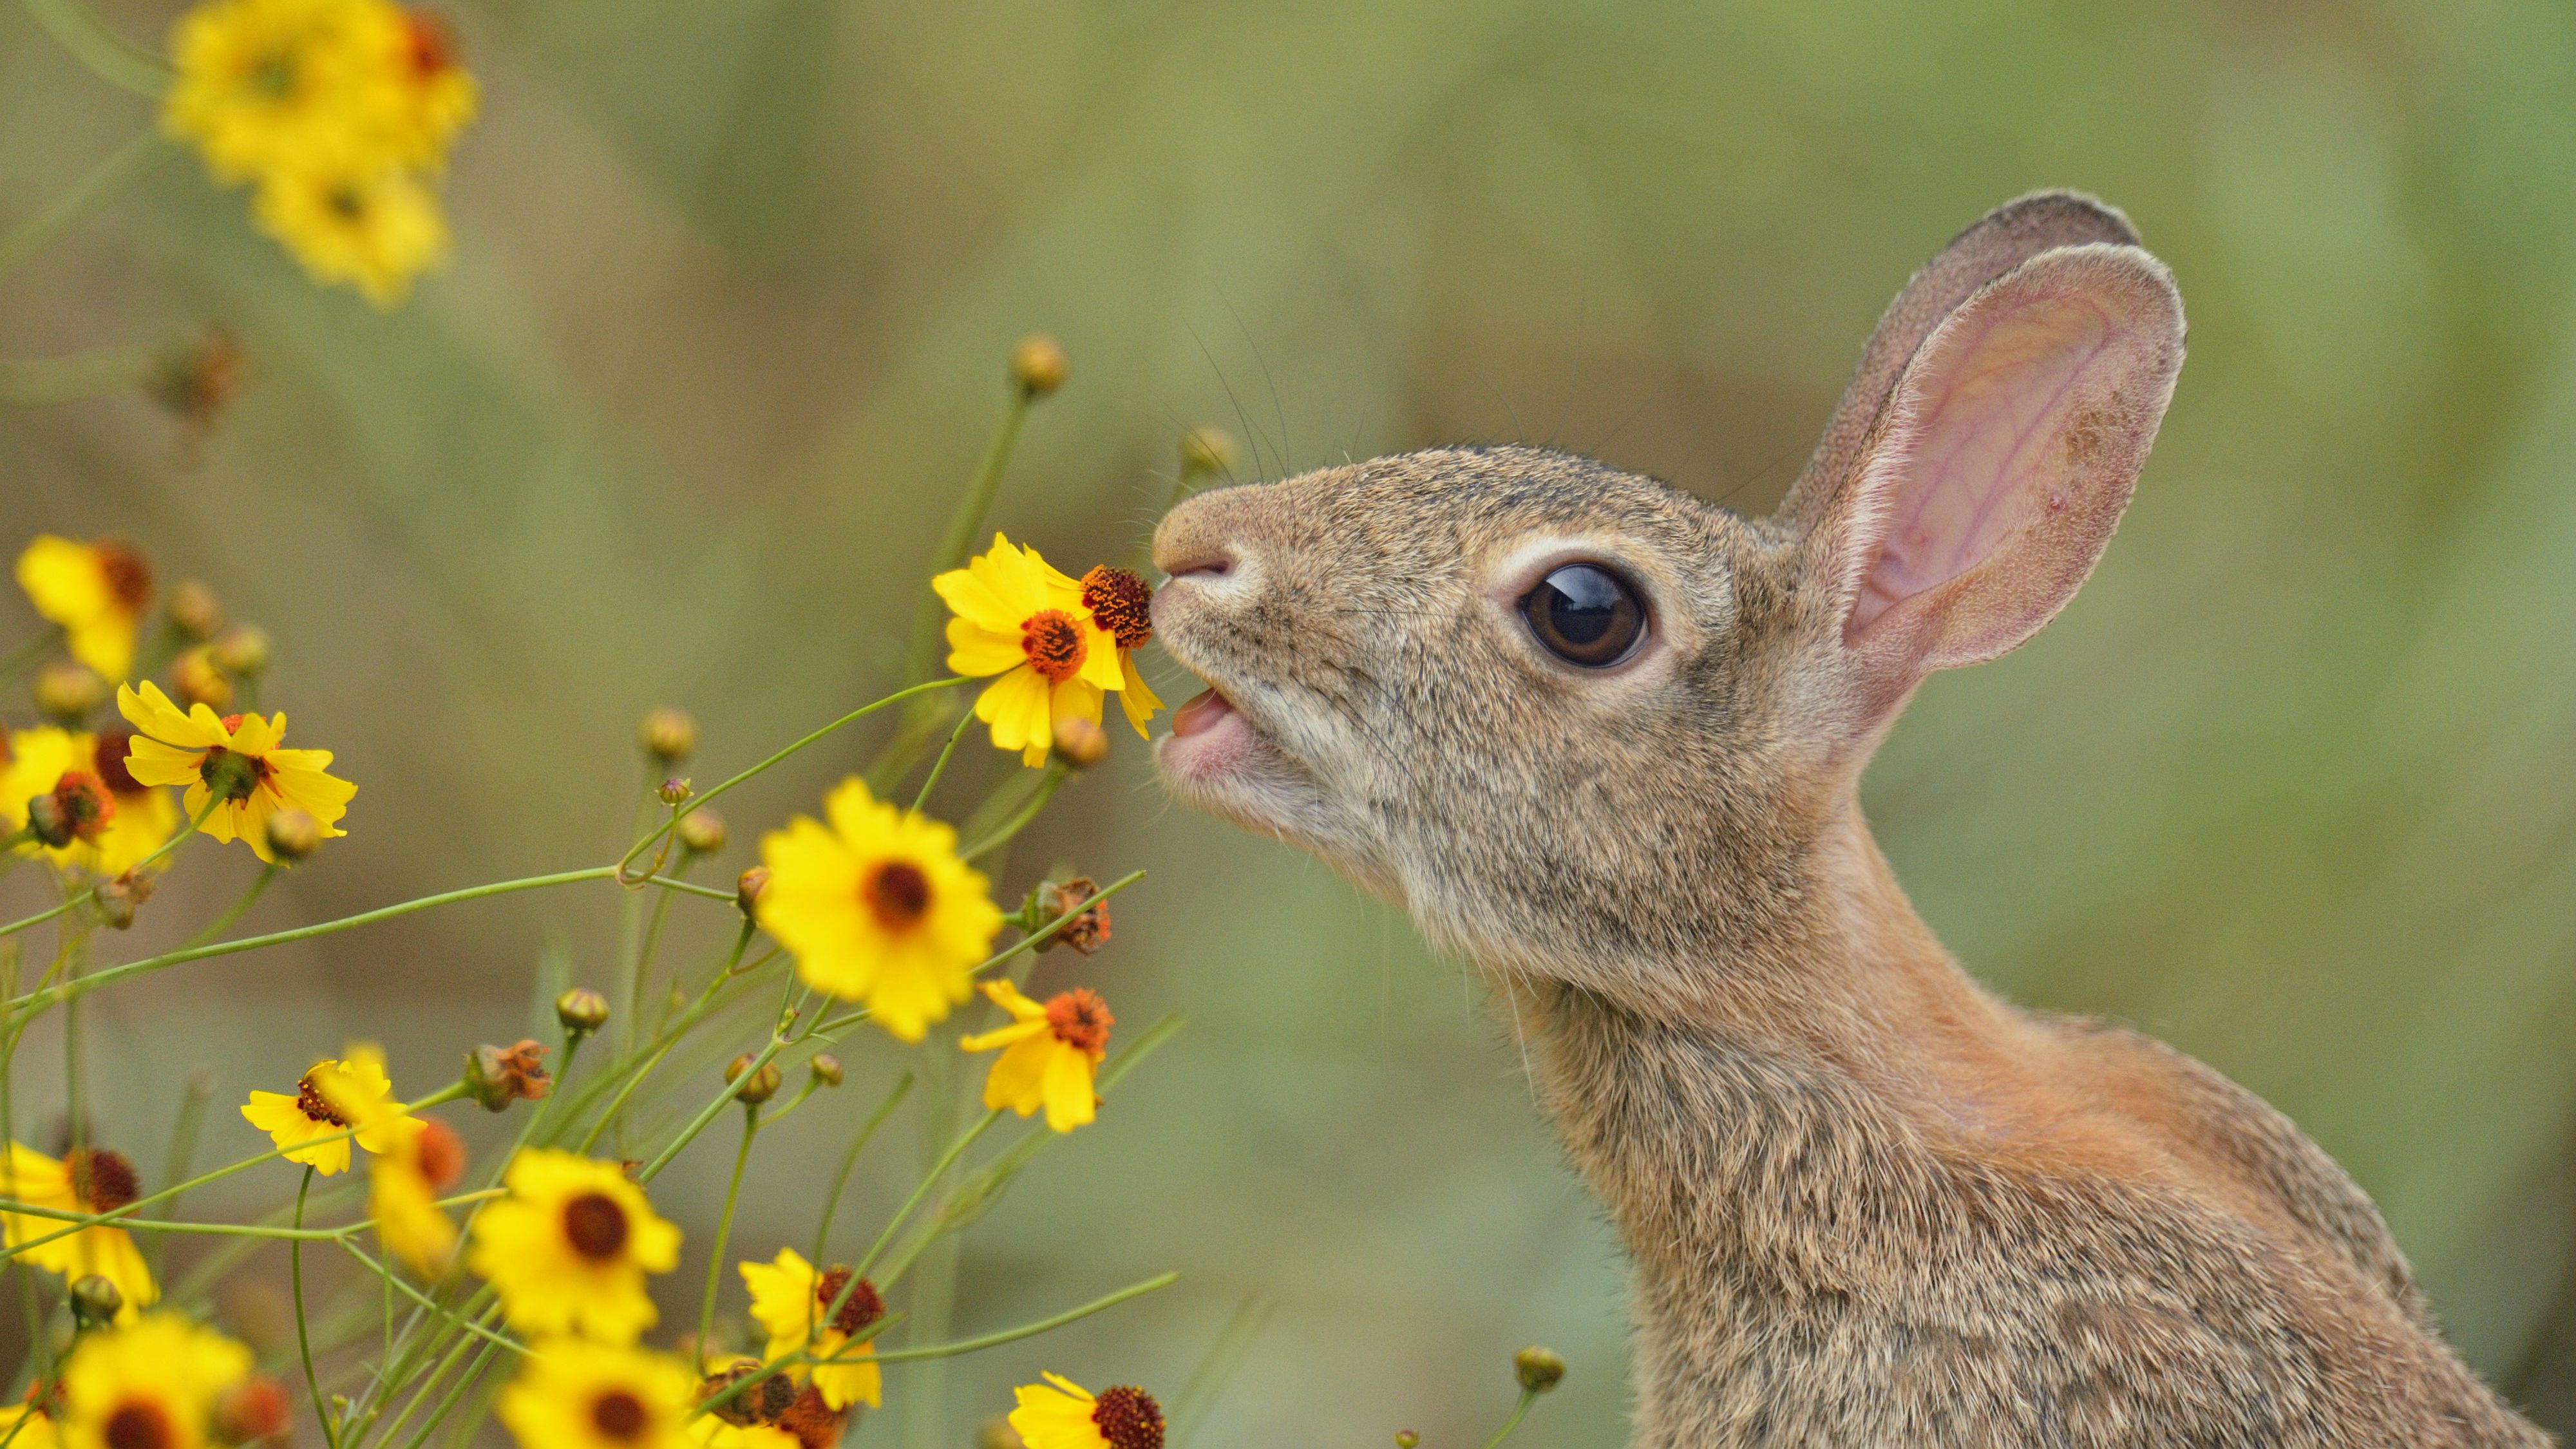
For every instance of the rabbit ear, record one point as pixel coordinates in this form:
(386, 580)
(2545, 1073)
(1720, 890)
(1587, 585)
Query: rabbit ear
(1991, 479)
(2009, 235)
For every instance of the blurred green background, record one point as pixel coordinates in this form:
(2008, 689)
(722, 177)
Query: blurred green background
(2293, 785)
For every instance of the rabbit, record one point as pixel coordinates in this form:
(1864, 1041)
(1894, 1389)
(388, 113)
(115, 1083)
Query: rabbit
(1603, 739)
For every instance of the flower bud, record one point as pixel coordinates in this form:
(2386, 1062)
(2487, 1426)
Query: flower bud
(293, 835)
(674, 791)
(68, 693)
(581, 1010)
(77, 808)
(195, 611)
(825, 1067)
(241, 651)
(118, 898)
(252, 1410)
(702, 832)
(747, 888)
(1406, 1439)
(498, 1076)
(1081, 743)
(197, 380)
(95, 1302)
(1538, 1369)
(756, 1088)
(1085, 933)
(194, 675)
(1038, 365)
(1206, 453)
(668, 735)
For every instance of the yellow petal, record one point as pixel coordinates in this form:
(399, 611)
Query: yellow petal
(1134, 697)
(1070, 1100)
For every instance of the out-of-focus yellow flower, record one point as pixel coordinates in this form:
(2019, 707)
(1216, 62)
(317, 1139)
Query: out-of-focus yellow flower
(36, 760)
(1049, 1053)
(577, 1395)
(568, 1249)
(402, 1196)
(154, 1382)
(1121, 603)
(91, 1180)
(97, 592)
(37, 1432)
(1019, 618)
(265, 84)
(239, 755)
(331, 1098)
(433, 94)
(789, 1299)
(353, 219)
(1060, 1414)
(878, 908)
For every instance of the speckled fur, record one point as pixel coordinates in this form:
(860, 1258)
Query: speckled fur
(1867, 1202)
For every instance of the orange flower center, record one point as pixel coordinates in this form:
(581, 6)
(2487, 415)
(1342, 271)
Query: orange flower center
(310, 1101)
(129, 578)
(1053, 642)
(1128, 1418)
(1079, 1018)
(103, 1180)
(432, 44)
(139, 1424)
(1122, 603)
(595, 1226)
(898, 893)
(619, 1415)
(866, 1305)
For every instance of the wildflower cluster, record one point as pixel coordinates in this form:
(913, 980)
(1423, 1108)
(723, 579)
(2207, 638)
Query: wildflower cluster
(427, 1290)
(339, 114)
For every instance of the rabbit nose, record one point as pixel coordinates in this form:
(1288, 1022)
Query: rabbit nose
(1198, 542)
(1205, 565)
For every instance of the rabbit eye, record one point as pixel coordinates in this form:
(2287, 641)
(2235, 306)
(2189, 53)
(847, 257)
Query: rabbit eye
(1584, 614)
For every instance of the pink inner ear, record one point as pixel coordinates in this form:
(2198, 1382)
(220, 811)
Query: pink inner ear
(1988, 410)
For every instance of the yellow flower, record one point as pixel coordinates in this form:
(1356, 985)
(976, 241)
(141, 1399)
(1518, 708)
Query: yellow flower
(37, 1432)
(352, 218)
(333, 1097)
(1019, 618)
(1059, 1414)
(1050, 1052)
(878, 908)
(96, 591)
(239, 754)
(433, 96)
(92, 1180)
(1121, 602)
(577, 1395)
(788, 1299)
(152, 1383)
(402, 1196)
(265, 84)
(569, 1247)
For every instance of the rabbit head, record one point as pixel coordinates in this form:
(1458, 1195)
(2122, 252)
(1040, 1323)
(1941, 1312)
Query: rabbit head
(1585, 726)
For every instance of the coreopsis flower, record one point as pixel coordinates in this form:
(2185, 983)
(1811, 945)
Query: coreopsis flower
(402, 1197)
(264, 84)
(88, 1180)
(146, 818)
(51, 789)
(1049, 1054)
(26, 1426)
(579, 1395)
(329, 1099)
(789, 1300)
(152, 1384)
(355, 219)
(236, 760)
(1121, 603)
(877, 908)
(97, 592)
(433, 96)
(568, 1249)
(1059, 1414)
(1017, 617)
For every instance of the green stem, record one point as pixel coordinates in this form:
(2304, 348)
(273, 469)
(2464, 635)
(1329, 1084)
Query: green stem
(966, 522)
(110, 56)
(303, 1338)
(938, 1170)
(724, 1231)
(267, 872)
(454, 1319)
(161, 1225)
(940, 764)
(1528, 1397)
(1019, 821)
(698, 1124)
(849, 1160)
(1223, 1358)
(106, 181)
(32, 382)
(634, 1074)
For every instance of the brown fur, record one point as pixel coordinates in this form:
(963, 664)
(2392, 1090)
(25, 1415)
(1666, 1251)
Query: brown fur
(1867, 1202)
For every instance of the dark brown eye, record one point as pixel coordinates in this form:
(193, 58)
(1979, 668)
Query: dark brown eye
(1584, 614)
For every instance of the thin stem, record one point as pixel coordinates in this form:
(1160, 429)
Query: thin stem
(938, 1170)
(106, 181)
(1019, 821)
(303, 1337)
(849, 1160)
(193, 1097)
(109, 56)
(1528, 1397)
(177, 838)
(267, 872)
(863, 711)
(163, 1225)
(427, 1302)
(966, 522)
(698, 1124)
(940, 764)
(30, 382)
(1223, 1358)
(724, 1230)
(636, 1075)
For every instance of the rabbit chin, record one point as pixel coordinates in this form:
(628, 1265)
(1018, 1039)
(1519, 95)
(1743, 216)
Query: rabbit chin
(1216, 760)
